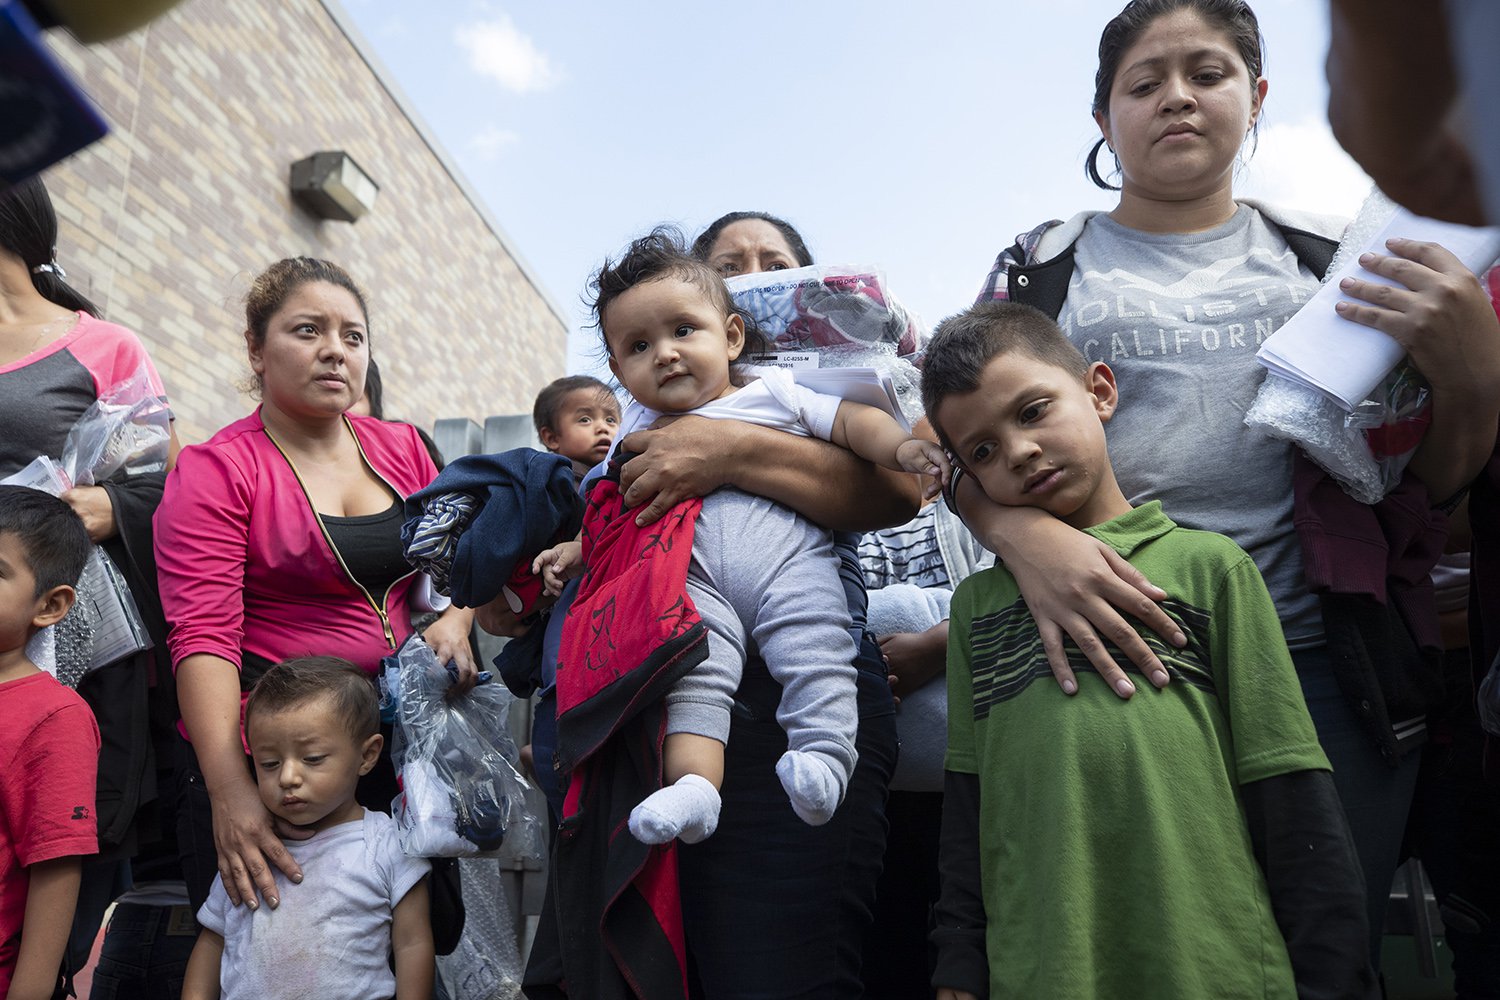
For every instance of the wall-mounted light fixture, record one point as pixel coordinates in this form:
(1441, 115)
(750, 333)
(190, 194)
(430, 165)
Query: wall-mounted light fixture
(331, 185)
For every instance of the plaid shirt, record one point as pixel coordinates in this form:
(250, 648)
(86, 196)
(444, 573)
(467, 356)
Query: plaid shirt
(997, 285)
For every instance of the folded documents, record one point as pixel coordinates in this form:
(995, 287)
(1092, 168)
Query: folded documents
(869, 386)
(1345, 360)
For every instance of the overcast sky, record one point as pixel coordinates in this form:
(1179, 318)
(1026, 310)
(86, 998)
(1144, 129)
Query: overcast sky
(920, 138)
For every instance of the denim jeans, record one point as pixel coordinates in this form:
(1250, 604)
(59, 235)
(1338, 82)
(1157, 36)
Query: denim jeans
(1376, 796)
(99, 883)
(776, 909)
(544, 751)
(195, 825)
(145, 953)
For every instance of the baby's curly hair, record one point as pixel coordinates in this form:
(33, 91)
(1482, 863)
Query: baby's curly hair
(661, 253)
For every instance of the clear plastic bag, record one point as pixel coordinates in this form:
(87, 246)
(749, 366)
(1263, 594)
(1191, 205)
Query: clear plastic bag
(461, 795)
(1367, 449)
(822, 306)
(1394, 420)
(117, 628)
(104, 625)
(125, 432)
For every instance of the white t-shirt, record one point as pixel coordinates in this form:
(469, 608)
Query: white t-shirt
(330, 937)
(769, 397)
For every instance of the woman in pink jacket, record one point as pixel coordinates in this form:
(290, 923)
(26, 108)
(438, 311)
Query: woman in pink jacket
(280, 537)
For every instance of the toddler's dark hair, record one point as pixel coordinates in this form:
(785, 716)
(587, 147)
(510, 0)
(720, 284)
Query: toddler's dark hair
(662, 253)
(293, 682)
(545, 412)
(963, 344)
(53, 540)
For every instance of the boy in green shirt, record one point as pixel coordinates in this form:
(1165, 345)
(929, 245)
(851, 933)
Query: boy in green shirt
(1187, 843)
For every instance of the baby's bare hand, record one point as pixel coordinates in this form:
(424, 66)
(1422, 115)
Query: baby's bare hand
(557, 565)
(925, 459)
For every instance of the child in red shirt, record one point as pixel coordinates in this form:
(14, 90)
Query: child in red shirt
(49, 746)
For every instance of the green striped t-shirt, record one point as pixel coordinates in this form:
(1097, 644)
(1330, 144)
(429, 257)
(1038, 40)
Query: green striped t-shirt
(1114, 853)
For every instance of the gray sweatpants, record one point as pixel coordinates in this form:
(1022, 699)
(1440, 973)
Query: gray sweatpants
(762, 572)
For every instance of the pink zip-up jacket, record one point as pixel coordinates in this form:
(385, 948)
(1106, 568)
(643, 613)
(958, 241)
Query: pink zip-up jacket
(245, 566)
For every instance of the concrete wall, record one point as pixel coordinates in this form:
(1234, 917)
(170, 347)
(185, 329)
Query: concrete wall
(165, 222)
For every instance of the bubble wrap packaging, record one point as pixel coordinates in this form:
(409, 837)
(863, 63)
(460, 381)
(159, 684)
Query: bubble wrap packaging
(486, 965)
(1366, 450)
(904, 375)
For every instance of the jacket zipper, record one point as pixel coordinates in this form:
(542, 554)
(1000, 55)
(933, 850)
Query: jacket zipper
(379, 609)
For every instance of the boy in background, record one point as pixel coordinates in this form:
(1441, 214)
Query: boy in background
(49, 746)
(1183, 844)
(313, 727)
(577, 417)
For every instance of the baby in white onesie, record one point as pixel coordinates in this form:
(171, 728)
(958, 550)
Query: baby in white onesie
(759, 571)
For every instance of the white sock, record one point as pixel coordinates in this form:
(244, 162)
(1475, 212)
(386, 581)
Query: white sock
(688, 809)
(812, 784)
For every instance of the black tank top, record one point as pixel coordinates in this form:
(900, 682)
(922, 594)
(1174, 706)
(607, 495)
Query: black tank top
(370, 546)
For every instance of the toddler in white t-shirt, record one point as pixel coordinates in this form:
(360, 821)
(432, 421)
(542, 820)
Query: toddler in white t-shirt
(313, 727)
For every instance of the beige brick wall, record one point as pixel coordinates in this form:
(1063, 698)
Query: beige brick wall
(165, 222)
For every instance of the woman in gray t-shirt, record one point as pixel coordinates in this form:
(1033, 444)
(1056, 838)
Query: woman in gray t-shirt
(1175, 289)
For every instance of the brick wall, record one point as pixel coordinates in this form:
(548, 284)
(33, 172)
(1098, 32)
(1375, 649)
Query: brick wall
(165, 222)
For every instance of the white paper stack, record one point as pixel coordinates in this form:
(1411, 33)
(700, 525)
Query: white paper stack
(857, 385)
(1340, 358)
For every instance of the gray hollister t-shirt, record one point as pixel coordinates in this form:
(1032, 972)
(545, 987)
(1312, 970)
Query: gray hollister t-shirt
(1179, 317)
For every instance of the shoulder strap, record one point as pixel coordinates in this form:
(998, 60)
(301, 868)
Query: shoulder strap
(1314, 251)
(1044, 285)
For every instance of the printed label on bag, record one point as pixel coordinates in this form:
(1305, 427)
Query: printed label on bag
(785, 359)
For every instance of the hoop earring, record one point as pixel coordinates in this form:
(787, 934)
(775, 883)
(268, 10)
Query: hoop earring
(1091, 167)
